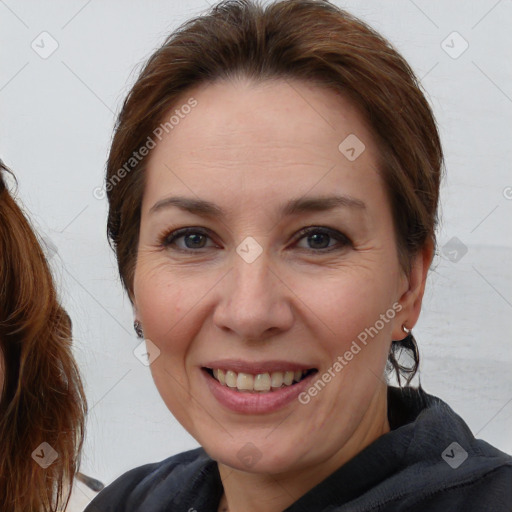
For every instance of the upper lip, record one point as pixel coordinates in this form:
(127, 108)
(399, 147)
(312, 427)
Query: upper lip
(256, 367)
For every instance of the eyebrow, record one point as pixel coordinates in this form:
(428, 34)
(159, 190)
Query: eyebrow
(292, 207)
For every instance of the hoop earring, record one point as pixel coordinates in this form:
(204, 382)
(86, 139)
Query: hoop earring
(408, 333)
(138, 329)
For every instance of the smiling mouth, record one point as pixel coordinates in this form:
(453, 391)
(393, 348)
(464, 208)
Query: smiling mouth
(259, 383)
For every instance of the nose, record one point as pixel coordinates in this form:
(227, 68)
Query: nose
(255, 302)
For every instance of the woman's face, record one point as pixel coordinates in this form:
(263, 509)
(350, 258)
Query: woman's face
(246, 292)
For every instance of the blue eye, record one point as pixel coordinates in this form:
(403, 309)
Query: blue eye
(194, 234)
(195, 238)
(318, 235)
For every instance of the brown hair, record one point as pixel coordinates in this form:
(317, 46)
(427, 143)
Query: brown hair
(308, 40)
(42, 399)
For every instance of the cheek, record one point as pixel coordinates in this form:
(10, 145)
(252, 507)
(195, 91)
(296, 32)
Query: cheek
(159, 299)
(172, 305)
(346, 303)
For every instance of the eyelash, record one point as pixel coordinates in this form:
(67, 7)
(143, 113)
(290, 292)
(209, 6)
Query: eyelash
(168, 238)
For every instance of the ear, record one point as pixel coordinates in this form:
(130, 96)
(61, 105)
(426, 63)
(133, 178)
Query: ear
(130, 291)
(413, 290)
(133, 302)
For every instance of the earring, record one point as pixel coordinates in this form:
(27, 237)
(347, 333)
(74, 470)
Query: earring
(407, 331)
(138, 329)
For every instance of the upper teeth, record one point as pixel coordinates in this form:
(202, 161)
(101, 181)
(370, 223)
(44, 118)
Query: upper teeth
(260, 382)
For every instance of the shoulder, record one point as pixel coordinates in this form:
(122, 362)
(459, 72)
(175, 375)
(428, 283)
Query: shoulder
(166, 477)
(442, 465)
(487, 485)
(468, 468)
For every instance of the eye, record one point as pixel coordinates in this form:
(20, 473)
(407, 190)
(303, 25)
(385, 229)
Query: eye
(193, 237)
(317, 236)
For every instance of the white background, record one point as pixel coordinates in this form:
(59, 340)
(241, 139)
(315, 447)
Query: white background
(57, 119)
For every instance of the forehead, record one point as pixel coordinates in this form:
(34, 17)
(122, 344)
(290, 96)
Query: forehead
(280, 113)
(259, 140)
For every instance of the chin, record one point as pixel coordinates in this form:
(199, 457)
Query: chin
(251, 459)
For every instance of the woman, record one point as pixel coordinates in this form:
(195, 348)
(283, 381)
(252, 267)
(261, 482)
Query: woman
(42, 401)
(250, 135)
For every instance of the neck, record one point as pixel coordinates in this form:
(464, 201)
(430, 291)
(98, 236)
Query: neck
(253, 492)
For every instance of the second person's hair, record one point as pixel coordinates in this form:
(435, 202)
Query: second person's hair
(42, 398)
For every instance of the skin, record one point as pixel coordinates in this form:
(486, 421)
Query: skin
(249, 148)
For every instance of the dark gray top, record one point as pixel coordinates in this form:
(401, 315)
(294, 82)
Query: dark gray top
(429, 461)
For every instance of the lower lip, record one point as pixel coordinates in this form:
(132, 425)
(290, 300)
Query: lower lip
(255, 403)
